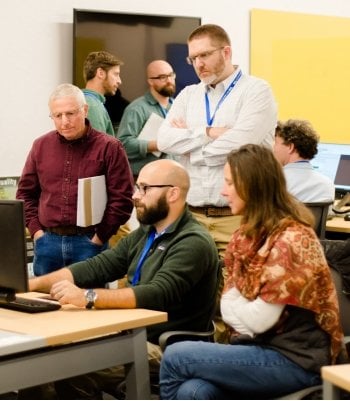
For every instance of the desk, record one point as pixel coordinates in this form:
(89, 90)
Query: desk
(334, 378)
(338, 224)
(77, 341)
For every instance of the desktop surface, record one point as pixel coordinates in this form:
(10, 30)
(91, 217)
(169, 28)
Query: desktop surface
(71, 323)
(89, 339)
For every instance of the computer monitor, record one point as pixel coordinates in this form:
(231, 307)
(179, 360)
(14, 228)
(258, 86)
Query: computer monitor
(13, 256)
(342, 177)
(327, 161)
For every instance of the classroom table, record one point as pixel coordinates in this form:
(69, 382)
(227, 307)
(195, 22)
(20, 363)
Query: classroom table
(334, 378)
(44, 347)
(338, 224)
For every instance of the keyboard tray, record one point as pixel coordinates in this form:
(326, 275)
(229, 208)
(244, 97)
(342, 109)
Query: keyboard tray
(30, 305)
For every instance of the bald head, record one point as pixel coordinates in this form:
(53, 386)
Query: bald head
(158, 67)
(166, 171)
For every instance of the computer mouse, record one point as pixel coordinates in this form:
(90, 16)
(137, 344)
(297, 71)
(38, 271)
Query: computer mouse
(347, 217)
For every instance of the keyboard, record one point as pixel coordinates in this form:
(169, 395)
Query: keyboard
(30, 305)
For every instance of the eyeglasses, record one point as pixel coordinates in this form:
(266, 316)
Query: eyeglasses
(202, 56)
(143, 188)
(164, 77)
(69, 114)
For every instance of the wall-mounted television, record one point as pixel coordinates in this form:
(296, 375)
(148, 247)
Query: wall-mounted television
(136, 39)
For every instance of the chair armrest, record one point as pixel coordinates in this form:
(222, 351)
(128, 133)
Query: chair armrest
(170, 337)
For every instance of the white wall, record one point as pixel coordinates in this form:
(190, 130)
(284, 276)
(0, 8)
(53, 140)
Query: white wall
(36, 44)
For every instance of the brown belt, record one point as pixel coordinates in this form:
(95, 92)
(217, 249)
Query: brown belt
(212, 211)
(71, 230)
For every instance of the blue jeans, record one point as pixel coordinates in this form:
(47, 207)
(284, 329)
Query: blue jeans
(192, 370)
(52, 251)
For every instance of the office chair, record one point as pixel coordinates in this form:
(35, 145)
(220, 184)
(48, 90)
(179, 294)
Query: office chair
(320, 211)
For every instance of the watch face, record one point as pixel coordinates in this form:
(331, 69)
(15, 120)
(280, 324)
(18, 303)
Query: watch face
(90, 296)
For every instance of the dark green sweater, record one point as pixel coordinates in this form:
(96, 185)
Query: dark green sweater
(179, 276)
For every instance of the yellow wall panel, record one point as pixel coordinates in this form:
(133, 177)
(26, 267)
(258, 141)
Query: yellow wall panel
(306, 59)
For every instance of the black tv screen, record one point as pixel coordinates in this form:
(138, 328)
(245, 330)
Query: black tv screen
(13, 261)
(136, 39)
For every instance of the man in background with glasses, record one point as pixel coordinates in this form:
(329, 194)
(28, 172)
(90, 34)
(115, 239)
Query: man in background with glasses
(157, 100)
(171, 263)
(226, 110)
(49, 184)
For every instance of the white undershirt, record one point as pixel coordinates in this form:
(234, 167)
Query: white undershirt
(248, 317)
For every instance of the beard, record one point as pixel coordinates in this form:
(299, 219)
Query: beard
(167, 91)
(209, 80)
(152, 214)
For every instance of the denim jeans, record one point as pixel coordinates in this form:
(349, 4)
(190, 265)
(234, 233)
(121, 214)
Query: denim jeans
(192, 370)
(52, 251)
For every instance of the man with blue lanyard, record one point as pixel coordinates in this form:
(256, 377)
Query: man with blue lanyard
(102, 75)
(171, 263)
(226, 110)
(158, 100)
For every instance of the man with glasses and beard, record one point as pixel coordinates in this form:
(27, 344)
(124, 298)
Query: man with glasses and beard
(158, 99)
(224, 111)
(171, 263)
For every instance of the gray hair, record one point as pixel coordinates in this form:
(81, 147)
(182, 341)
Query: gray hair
(68, 90)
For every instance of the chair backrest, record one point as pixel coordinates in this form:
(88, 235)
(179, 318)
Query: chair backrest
(320, 211)
(344, 303)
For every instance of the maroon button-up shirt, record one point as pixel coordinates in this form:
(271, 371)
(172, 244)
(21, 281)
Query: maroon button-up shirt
(49, 181)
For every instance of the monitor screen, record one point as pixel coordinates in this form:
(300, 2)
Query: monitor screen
(342, 177)
(137, 39)
(13, 259)
(327, 160)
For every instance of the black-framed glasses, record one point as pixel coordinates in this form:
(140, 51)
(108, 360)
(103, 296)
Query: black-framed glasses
(202, 56)
(142, 188)
(164, 77)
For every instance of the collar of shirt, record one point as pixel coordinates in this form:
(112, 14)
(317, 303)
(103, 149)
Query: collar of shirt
(96, 95)
(223, 85)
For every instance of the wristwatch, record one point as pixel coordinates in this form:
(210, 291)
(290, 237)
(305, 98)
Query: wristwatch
(90, 296)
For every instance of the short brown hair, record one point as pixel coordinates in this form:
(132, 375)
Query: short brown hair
(301, 134)
(217, 34)
(100, 59)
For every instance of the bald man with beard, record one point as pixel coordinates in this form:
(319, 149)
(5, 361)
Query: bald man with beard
(158, 99)
(171, 263)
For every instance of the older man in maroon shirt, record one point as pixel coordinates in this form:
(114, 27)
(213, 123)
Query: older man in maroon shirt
(49, 184)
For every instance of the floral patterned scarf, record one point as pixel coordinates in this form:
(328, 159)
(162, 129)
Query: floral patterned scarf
(287, 267)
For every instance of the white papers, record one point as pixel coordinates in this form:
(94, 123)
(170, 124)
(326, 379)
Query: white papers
(92, 200)
(150, 129)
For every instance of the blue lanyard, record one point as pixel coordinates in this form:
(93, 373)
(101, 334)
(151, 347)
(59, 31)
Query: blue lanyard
(223, 97)
(146, 248)
(163, 109)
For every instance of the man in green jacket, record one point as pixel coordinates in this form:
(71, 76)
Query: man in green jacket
(171, 262)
